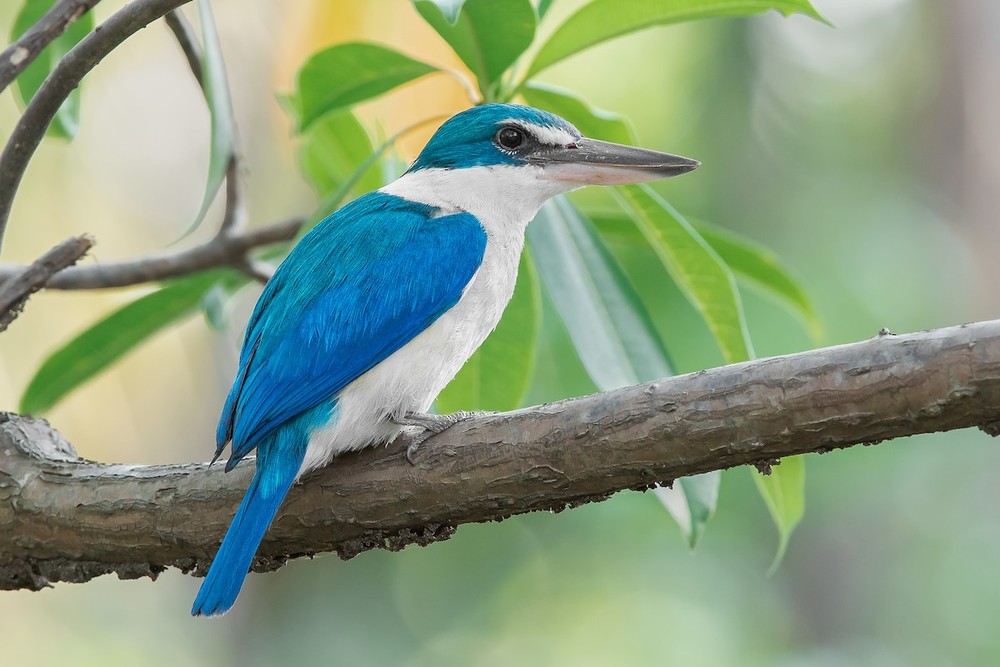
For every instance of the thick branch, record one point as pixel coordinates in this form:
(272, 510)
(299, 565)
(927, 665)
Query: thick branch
(64, 78)
(16, 57)
(221, 251)
(14, 292)
(65, 519)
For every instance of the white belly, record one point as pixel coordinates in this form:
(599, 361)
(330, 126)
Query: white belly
(411, 378)
(504, 200)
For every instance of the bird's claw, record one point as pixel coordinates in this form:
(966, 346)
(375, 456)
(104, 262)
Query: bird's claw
(431, 425)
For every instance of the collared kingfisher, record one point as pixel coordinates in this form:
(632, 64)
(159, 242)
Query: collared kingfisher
(378, 307)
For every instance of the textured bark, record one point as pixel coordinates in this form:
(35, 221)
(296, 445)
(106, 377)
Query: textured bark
(16, 57)
(14, 291)
(65, 519)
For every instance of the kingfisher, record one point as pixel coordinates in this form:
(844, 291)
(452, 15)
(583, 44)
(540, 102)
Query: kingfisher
(377, 308)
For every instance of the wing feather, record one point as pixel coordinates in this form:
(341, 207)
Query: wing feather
(358, 287)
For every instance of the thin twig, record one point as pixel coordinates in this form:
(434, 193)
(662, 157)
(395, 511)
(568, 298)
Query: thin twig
(16, 290)
(65, 77)
(221, 251)
(16, 57)
(184, 34)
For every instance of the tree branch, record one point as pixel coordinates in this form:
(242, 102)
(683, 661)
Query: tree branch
(14, 291)
(64, 78)
(66, 519)
(16, 57)
(223, 250)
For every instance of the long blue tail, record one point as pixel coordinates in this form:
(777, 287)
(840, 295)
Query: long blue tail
(279, 457)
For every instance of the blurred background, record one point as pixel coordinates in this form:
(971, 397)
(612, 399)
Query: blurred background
(867, 156)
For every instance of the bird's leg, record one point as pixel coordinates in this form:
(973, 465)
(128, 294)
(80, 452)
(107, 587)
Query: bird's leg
(431, 425)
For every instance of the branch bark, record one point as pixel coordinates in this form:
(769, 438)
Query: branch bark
(222, 250)
(66, 519)
(14, 291)
(16, 57)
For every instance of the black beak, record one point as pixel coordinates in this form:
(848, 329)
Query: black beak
(593, 162)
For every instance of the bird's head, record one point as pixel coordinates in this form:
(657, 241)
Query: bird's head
(533, 142)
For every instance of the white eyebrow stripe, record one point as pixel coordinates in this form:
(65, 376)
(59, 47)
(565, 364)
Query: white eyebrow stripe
(546, 134)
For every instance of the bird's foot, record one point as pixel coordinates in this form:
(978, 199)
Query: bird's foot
(431, 425)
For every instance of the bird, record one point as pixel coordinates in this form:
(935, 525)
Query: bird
(380, 304)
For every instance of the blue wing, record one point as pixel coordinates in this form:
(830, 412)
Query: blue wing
(358, 287)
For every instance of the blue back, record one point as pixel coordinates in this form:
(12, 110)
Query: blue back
(355, 289)
(466, 139)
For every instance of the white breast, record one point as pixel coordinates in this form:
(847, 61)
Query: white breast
(504, 201)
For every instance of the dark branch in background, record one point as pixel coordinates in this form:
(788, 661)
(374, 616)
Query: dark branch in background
(14, 291)
(231, 245)
(66, 519)
(221, 251)
(16, 57)
(64, 78)
(184, 35)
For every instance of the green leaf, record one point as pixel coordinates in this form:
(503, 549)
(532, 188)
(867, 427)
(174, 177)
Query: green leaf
(111, 338)
(332, 150)
(609, 327)
(487, 35)
(692, 502)
(215, 84)
(784, 493)
(594, 123)
(602, 20)
(747, 259)
(498, 375)
(337, 197)
(543, 8)
(763, 268)
(345, 74)
(696, 268)
(67, 119)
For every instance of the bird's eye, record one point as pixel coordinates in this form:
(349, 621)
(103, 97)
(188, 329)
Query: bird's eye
(510, 138)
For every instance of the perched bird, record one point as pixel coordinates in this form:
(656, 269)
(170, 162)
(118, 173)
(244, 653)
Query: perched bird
(377, 307)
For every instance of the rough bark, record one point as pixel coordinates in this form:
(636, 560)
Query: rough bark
(66, 519)
(16, 57)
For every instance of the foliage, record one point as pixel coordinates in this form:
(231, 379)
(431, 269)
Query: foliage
(612, 332)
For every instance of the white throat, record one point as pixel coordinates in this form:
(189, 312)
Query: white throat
(504, 198)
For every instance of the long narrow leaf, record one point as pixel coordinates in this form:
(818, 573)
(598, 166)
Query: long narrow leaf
(220, 107)
(594, 123)
(498, 375)
(332, 150)
(760, 266)
(606, 321)
(345, 74)
(611, 330)
(692, 502)
(487, 35)
(109, 339)
(67, 119)
(696, 268)
(746, 258)
(602, 20)
(784, 494)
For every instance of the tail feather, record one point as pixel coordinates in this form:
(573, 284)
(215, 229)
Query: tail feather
(278, 460)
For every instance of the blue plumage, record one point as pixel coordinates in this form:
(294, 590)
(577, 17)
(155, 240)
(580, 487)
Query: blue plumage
(363, 282)
(377, 308)
(279, 456)
(355, 289)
